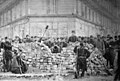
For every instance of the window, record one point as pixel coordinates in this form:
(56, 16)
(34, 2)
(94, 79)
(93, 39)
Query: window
(4, 18)
(13, 13)
(80, 8)
(9, 16)
(86, 12)
(92, 15)
(97, 20)
(17, 11)
(83, 10)
(0, 20)
(23, 8)
(95, 17)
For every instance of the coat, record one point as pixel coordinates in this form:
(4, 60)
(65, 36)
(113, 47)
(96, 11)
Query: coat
(82, 55)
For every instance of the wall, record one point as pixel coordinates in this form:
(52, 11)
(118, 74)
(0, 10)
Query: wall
(11, 17)
(57, 26)
(37, 7)
(20, 28)
(13, 12)
(47, 7)
(62, 16)
(66, 6)
(86, 29)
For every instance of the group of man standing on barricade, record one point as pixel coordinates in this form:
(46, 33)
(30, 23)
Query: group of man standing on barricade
(108, 46)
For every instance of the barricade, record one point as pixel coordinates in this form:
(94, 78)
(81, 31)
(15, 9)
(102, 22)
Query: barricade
(40, 60)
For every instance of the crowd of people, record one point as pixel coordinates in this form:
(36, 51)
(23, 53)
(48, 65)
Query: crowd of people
(85, 48)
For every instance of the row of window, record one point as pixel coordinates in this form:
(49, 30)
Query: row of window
(93, 16)
(108, 6)
(10, 15)
(83, 10)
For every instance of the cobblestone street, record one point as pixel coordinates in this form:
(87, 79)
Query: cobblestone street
(50, 77)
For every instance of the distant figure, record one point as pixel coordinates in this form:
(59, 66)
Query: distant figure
(28, 39)
(73, 38)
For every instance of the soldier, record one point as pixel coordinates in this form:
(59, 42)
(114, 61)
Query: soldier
(82, 55)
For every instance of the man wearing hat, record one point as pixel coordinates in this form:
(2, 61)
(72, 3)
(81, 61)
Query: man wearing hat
(82, 55)
(117, 62)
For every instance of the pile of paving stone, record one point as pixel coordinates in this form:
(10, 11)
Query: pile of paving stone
(57, 62)
(45, 61)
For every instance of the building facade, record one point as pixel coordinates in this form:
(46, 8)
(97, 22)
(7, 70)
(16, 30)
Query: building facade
(30, 17)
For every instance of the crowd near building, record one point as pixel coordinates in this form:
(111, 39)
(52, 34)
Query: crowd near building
(57, 30)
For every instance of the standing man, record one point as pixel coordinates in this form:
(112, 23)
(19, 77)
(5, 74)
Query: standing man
(73, 38)
(117, 62)
(7, 55)
(92, 40)
(82, 55)
(28, 40)
(111, 52)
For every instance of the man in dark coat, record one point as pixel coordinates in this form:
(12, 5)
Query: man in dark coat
(73, 38)
(28, 39)
(100, 44)
(117, 72)
(0, 44)
(92, 40)
(7, 55)
(106, 55)
(111, 54)
(82, 55)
